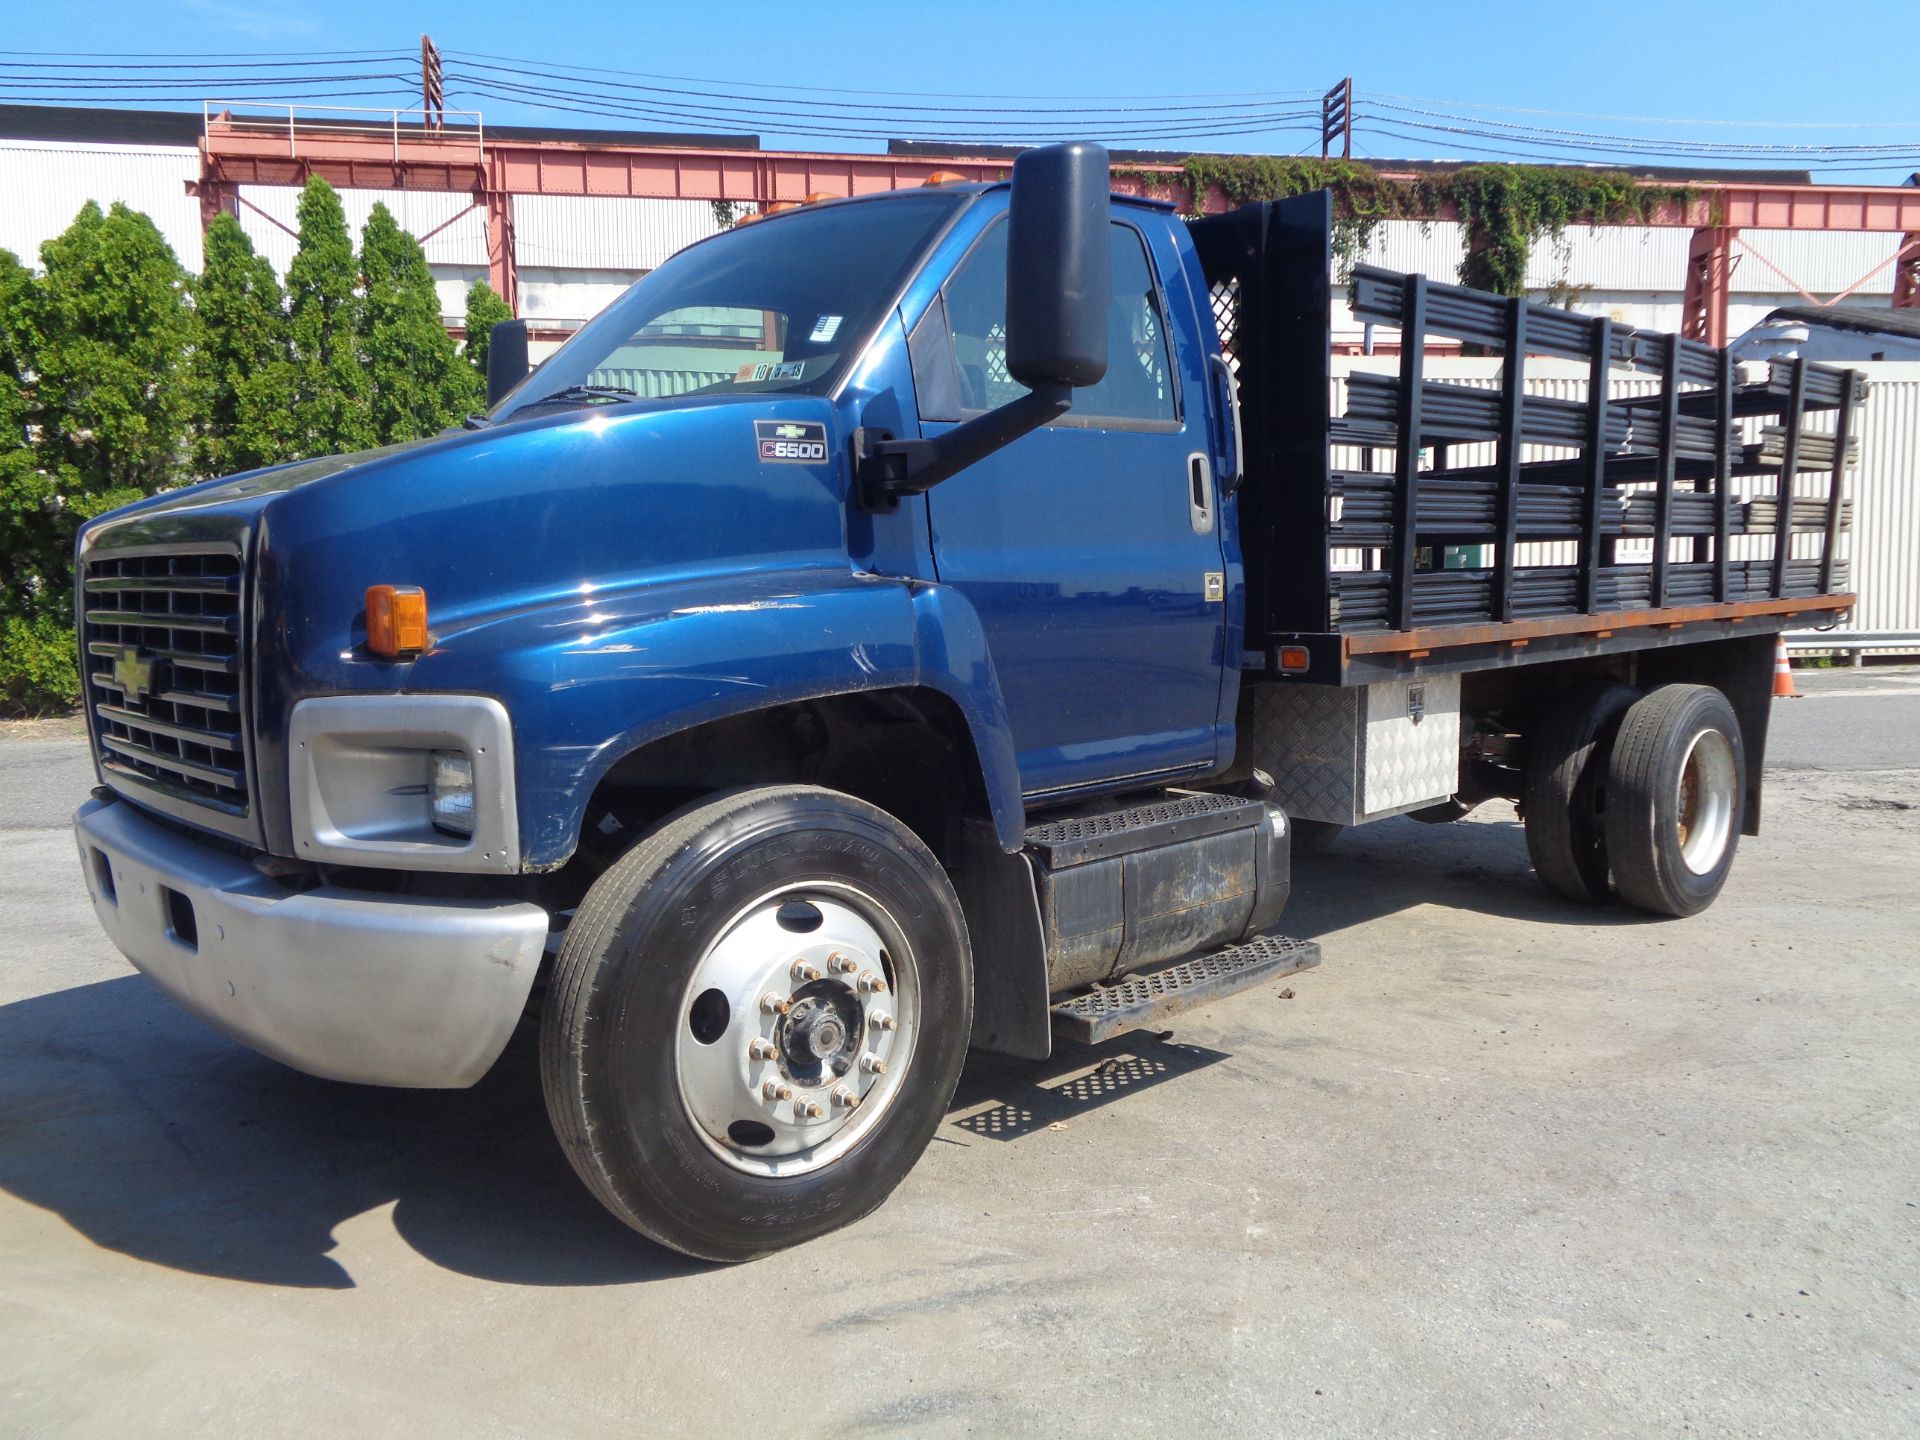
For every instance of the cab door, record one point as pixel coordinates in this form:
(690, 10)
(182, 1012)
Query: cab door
(1091, 548)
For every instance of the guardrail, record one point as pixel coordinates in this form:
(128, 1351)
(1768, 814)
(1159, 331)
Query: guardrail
(1902, 641)
(253, 118)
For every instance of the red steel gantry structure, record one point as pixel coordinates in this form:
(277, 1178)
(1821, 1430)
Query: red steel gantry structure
(255, 150)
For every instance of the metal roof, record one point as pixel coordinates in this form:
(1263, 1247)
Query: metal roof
(1853, 317)
(101, 125)
(930, 149)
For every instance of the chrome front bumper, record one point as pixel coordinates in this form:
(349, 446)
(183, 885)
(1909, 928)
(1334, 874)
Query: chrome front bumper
(346, 984)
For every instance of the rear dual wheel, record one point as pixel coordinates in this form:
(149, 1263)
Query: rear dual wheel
(1676, 798)
(1564, 788)
(1643, 794)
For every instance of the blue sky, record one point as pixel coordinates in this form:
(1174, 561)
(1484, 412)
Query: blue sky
(1767, 65)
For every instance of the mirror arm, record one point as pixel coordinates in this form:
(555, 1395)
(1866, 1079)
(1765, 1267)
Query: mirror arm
(884, 469)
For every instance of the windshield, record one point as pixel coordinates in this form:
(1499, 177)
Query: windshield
(777, 306)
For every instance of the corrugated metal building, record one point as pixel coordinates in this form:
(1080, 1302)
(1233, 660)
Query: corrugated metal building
(1636, 275)
(43, 184)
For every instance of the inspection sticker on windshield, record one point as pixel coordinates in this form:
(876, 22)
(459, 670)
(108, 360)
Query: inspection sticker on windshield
(796, 442)
(824, 329)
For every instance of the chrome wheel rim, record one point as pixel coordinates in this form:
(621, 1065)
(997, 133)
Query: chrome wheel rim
(796, 1029)
(1703, 812)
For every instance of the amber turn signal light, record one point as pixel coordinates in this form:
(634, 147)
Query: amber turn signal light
(1294, 659)
(396, 620)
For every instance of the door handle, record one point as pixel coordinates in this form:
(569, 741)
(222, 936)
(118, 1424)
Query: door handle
(1200, 492)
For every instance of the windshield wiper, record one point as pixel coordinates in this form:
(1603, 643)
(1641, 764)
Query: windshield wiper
(584, 395)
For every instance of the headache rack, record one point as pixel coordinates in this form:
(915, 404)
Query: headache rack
(1440, 515)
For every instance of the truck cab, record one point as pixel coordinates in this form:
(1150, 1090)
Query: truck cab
(375, 731)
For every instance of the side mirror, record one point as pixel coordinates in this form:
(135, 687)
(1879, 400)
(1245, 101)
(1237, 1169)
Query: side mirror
(1059, 288)
(506, 359)
(1059, 267)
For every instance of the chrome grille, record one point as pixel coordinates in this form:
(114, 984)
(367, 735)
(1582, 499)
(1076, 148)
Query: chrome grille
(163, 660)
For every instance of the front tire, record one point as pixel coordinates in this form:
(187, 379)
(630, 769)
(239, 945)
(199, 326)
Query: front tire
(1676, 788)
(757, 1019)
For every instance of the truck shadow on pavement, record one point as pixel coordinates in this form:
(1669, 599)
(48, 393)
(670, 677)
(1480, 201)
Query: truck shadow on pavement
(158, 1139)
(1479, 866)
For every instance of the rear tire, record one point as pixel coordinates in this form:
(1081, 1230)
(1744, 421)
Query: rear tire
(1676, 798)
(1563, 791)
(698, 1109)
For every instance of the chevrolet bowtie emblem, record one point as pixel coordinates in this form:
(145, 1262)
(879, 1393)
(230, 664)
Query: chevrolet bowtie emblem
(791, 432)
(133, 672)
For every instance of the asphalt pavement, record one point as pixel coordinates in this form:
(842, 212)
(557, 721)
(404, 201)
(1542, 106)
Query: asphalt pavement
(1500, 1167)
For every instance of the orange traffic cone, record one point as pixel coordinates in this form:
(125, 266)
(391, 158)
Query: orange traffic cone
(1782, 671)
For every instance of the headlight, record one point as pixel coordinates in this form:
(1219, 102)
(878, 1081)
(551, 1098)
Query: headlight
(450, 791)
(403, 782)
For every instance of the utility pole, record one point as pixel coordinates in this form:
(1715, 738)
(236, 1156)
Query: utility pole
(1336, 120)
(433, 90)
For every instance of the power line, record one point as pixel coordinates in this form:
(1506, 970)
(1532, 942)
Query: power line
(226, 81)
(1652, 119)
(200, 97)
(764, 104)
(95, 55)
(859, 127)
(1474, 125)
(94, 68)
(836, 90)
(1536, 152)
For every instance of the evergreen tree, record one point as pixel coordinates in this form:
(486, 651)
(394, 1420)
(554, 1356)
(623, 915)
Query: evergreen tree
(419, 383)
(38, 669)
(485, 309)
(240, 356)
(325, 380)
(114, 333)
(93, 414)
(26, 495)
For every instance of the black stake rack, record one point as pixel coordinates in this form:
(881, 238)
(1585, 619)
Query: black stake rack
(1658, 468)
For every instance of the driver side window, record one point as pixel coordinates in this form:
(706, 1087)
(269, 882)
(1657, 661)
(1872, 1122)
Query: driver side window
(1138, 387)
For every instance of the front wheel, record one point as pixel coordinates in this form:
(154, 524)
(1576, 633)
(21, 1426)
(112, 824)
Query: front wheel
(757, 1019)
(1676, 788)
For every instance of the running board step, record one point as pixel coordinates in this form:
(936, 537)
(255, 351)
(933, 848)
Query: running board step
(1142, 1000)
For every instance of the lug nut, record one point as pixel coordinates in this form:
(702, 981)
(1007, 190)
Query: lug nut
(843, 1096)
(842, 964)
(774, 1090)
(762, 1050)
(804, 972)
(872, 982)
(808, 1109)
(873, 1065)
(883, 1022)
(772, 1004)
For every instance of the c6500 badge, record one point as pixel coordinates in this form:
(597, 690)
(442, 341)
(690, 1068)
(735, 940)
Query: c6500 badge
(797, 442)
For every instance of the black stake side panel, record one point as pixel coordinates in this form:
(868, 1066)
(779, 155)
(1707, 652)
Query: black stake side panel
(1280, 255)
(1268, 266)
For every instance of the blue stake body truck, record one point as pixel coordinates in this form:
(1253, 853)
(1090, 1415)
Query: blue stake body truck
(914, 622)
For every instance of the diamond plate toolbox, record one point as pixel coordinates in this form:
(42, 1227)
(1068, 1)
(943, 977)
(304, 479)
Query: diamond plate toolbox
(1346, 754)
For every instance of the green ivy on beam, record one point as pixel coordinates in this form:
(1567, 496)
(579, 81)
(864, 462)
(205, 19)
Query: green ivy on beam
(1507, 209)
